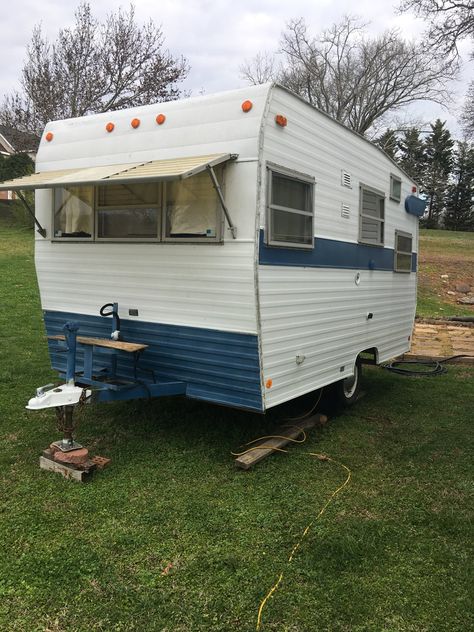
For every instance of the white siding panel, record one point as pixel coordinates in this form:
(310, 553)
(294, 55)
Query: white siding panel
(181, 284)
(316, 145)
(322, 314)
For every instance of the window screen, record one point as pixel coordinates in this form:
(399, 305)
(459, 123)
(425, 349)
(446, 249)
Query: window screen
(128, 211)
(403, 252)
(372, 216)
(290, 211)
(74, 212)
(192, 209)
(395, 188)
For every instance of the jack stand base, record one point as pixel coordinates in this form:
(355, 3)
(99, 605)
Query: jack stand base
(81, 473)
(67, 446)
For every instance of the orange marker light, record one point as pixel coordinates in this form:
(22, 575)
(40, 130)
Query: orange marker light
(135, 123)
(110, 127)
(49, 136)
(160, 119)
(281, 120)
(269, 383)
(247, 106)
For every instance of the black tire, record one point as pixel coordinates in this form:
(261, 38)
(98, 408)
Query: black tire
(346, 391)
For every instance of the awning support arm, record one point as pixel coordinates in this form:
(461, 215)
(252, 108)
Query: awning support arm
(41, 230)
(215, 182)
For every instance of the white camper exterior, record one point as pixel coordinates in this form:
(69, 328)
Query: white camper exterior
(322, 265)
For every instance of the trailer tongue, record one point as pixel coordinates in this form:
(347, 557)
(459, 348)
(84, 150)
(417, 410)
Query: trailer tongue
(100, 371)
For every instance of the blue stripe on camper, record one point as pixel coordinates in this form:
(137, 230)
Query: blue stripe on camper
(330, 253)
(217, 366)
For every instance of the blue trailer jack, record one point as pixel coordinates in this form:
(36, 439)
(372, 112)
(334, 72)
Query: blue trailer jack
(101, 384)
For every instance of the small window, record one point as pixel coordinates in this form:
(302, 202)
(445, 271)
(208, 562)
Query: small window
(74, 212)
(395, 188)
(403, 252)
(193, 209)
(372, 216)
(290, 210)
(128, 211)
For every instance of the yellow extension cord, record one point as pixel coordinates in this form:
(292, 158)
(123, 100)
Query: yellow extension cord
(320, 457)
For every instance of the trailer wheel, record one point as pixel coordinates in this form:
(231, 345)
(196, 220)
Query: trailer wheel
(346, 391)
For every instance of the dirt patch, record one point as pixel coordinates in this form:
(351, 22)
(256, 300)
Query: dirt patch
(440, 274)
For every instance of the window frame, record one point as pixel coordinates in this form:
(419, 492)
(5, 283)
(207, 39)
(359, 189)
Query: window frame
(159, 208)
(161, 219)
(61, 239)
(397, 251)
(220, 219)
(300, 177)
(380, 194)
(393, 197)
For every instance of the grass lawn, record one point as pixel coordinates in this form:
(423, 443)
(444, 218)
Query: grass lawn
(172, 538)
(444, 253)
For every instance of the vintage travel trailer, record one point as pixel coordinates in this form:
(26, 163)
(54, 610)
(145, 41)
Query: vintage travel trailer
(241, 248)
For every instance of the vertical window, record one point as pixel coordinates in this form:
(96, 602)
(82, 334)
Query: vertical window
(193, 209)
(128, 211)
(403, 252)
(395, 188)
(74, 212)
(372, 216)
(289, 210)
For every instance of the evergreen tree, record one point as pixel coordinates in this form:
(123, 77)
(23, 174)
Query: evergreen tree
(388, 142)
(439, 157)
(460, 193)
(15, 166)
(412, 155)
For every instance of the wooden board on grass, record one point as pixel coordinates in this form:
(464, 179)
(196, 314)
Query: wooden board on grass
(288, 431)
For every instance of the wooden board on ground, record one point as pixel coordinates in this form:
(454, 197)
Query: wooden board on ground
(131, 347)
(68, 471)
(287, 432)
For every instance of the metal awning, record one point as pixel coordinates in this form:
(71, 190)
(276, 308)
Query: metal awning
(169, 169)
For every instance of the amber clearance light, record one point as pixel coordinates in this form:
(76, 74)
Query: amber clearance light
(110, 127)
(135, 123)
(160, 119)
(247, 106)
(281, 120)
(49, 136)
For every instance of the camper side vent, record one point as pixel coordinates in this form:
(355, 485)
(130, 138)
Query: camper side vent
(346, 179)
(345, 211)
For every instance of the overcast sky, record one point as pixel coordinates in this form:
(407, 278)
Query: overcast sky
(215, 36)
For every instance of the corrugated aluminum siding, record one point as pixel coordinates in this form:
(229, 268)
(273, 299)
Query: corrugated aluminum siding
(219, 367)
(320, 312)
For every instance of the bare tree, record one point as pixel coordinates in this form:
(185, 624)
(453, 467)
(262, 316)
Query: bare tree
(467, 117)
(358, 79)
(93, 67)
(260, 69)
(449, 20)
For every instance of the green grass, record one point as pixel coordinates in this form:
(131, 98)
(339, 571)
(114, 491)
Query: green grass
(444, 252)
(390, 554)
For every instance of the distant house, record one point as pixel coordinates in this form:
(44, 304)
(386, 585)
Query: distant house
(13, 141)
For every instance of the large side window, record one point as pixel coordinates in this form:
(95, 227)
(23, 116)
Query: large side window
(193, 209)
(289, 210)
(74, 212)
(172, 210)
(128, 211)
(403, 251)
(372, 216)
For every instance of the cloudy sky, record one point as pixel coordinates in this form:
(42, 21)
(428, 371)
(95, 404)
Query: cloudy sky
(215, 36)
